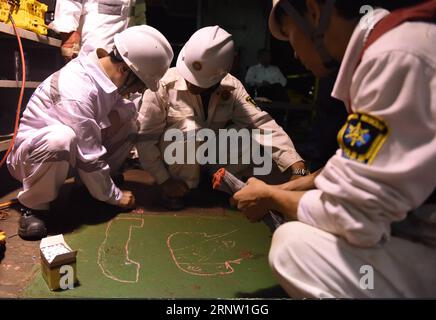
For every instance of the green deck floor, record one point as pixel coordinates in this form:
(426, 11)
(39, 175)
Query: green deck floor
(168, 256)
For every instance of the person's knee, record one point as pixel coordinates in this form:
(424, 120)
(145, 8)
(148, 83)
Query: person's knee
(289, 241)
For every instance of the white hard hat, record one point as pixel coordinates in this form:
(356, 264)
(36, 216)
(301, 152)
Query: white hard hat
(207, 57)
(147, 53)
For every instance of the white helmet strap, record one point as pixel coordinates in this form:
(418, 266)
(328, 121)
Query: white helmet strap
(317, 35)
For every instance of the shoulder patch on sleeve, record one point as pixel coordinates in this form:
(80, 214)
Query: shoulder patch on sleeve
(251, 100)
(362, 137)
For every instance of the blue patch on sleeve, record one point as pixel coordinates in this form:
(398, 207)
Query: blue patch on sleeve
(362, 137)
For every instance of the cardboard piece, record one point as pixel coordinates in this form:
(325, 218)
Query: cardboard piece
(55, 254)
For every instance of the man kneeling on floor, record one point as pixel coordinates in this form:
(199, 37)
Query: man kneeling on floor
(363, 228)
(197, 102)
(79, 118)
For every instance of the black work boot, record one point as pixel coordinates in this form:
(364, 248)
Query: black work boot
(32, 224)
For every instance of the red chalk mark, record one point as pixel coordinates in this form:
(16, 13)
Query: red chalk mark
(247, 254)
(138, 211)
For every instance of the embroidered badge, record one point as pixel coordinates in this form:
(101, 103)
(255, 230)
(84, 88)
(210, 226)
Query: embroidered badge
(197, 66)
(251, 100)
(362, 137)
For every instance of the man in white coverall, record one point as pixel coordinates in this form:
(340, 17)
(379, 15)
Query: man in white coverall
(200, 93)
(362, 227)
(78, 117)
(92, 24)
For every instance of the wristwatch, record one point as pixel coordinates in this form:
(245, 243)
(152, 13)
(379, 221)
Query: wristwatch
(300, 172)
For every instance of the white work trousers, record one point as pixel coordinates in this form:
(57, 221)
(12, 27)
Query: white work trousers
(45, 168)
(311, 263)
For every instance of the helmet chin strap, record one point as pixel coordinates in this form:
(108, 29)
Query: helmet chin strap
(130, 81)
(123, 88)
(315, 34)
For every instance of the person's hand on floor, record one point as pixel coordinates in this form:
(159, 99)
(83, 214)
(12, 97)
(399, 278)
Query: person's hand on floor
(127, 200)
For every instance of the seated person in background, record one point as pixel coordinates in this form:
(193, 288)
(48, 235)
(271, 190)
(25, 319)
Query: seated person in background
(199, 94)
(267, 81)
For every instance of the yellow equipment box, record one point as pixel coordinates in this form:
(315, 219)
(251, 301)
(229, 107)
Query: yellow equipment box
(29, 15)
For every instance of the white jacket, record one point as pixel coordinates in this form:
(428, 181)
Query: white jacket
(173, 107)
(80, 96)
(257, 74)
(380, 174)
(96, 20)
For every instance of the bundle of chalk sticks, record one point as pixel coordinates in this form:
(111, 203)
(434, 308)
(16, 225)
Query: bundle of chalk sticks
(227, 182)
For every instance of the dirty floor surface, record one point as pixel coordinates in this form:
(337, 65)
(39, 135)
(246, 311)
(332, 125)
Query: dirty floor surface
(204, 251)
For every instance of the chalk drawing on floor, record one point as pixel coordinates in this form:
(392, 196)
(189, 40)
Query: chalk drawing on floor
(106, 260)
(201, 254)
